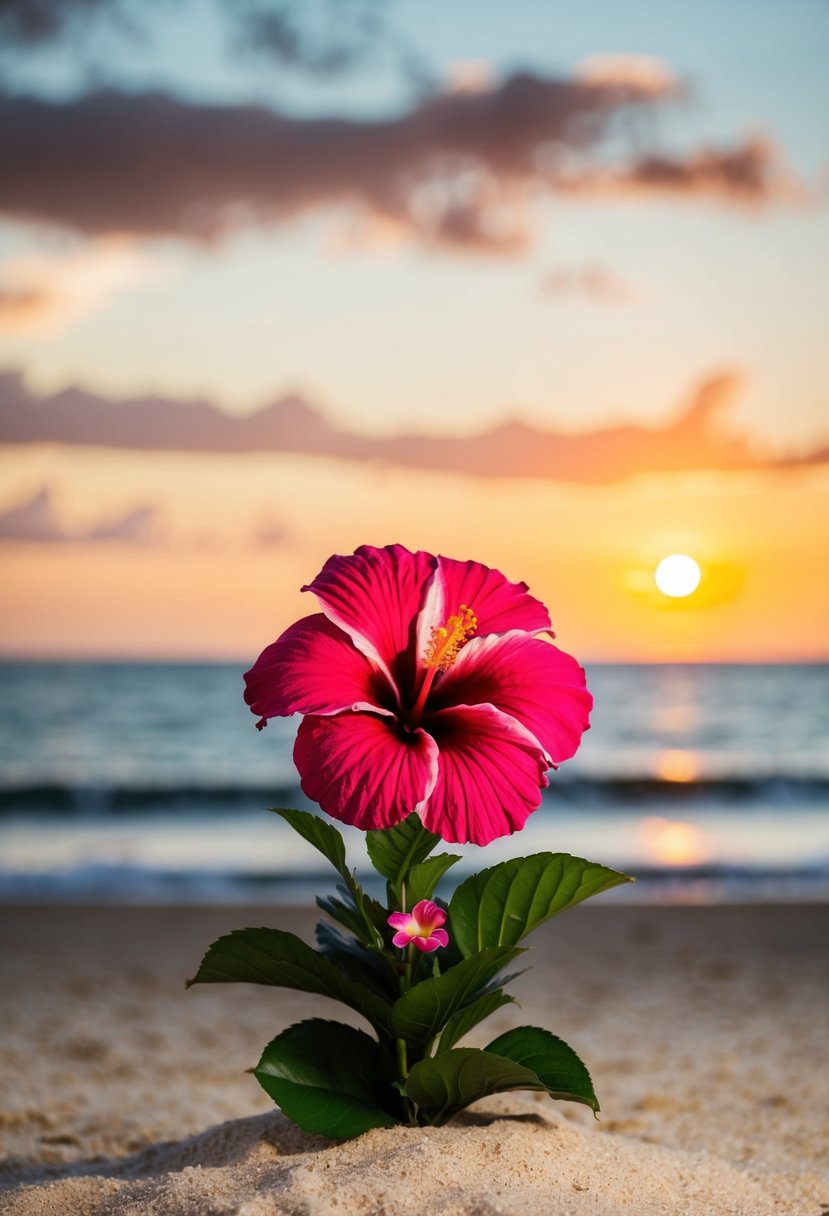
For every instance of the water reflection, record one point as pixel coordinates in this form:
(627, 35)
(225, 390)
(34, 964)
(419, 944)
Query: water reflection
(671, 842)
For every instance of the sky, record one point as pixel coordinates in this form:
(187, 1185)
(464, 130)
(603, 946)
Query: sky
(542, 286)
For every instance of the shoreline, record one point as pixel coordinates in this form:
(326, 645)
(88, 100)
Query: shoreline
(701, 1026)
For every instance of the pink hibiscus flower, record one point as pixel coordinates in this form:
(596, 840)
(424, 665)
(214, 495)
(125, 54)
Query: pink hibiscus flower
(421, 928)
(424, 687)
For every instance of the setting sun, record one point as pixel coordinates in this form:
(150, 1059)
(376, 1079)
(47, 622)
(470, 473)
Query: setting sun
(678, 575)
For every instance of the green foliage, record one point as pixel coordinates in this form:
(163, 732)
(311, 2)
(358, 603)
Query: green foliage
(330, 1079)
(322, 835)
(467, 1018)
(360, 964)
(426, 1008)
(503, 903)
(357, 912)
(425, 876)
(338, 1081)
(525, 1058)
(393, 851)
(343, 911)
(445, 1084)
(272, 956)
(555, 1064)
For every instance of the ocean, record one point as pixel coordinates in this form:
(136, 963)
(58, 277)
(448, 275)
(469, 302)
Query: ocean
(124, 782)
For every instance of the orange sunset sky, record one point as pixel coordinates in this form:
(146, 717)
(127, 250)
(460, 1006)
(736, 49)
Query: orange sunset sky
(543, 288)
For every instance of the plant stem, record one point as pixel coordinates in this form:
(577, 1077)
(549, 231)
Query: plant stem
(403, 1069)
(357, 895)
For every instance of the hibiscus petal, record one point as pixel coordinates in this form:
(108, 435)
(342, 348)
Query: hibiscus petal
(363, 769)
(401, 939)
(314, 668)
(490, 775)
(528, 678)
(399, 920)
(375, 595)
(440, 936)
(498, 604)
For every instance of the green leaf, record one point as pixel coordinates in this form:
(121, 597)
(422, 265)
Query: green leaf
(343, 911)
(317, 832)
(360, 918)
(272, 956)
(358, 912)
(446, 1083)
(467, 1019)
(554, 1063)
(330, 1079)
(422, 1011)
(359, 963)
(393, 851)
(425, 876)
(501, 904)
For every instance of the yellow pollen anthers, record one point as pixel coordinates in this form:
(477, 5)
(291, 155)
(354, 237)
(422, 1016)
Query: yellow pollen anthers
(447, 640)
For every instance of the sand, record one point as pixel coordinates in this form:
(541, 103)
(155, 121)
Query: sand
(705, 1030)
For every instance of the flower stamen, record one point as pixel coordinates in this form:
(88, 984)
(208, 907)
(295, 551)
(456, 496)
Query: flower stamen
(446, 640)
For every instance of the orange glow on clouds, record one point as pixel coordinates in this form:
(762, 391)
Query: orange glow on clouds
(215, 581)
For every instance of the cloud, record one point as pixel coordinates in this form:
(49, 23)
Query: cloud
(137, 527)
(42, 293)
(460, 169)
(645, 72)
(31, 23)
(751, 173)
(34, 519)
(270, 534)
(696, 437)
(588, 282)
(322, 38)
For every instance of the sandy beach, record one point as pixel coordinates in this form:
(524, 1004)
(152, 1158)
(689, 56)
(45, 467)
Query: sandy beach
(704, 1028)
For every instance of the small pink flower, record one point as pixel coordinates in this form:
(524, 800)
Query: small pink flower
(421, 927)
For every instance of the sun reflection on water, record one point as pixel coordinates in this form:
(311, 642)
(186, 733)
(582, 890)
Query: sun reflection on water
(678, 764)
(671, 842)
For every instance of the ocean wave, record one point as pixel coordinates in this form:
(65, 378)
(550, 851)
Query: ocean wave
(605, 792)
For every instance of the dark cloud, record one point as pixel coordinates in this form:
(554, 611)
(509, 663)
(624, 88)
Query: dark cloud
(35, 22)
(137, 527)
(458, 169)
(318, 37)
(321, 37)
(698, 437)
(34, 519)
(749, 173)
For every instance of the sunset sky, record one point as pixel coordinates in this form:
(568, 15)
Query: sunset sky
(537, 284)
